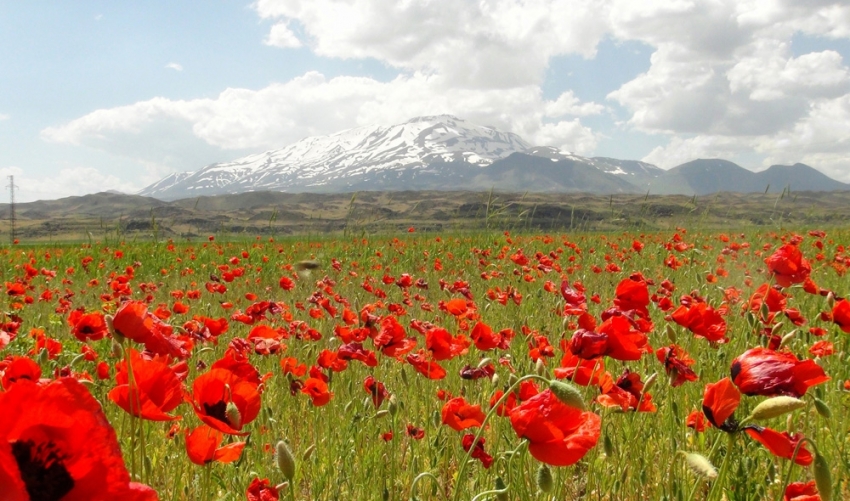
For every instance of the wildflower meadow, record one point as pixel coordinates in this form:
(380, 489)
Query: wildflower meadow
(676, 365)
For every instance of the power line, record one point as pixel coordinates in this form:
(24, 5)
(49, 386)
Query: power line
(12, 209)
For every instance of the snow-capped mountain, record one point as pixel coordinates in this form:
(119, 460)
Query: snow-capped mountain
(340, 161)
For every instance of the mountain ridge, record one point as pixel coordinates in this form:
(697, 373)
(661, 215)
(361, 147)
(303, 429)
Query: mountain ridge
(443, 152)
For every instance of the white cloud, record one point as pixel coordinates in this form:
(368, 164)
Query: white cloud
(171, 133)
(4, 116)
(67, 182)
(174, 66)
(281, 36)
(496, 44)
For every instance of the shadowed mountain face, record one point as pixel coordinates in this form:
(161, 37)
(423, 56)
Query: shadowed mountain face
(447, 153)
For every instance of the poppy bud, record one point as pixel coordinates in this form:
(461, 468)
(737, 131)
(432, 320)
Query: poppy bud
(392, 407)
(671, 333)
(308, 452)
(823, 479)
(43, 357)
(436, 419)
(234, 417)
(281, 486)
(822, 408)
(540, 367)
(776, 406)
(567, 394)
(381, 413)
(116, 349)
(512, 379)
(700, 465)
(495, 379)
(285, 460)
(484, 361)
(650, 382)
(403, 376)
(607, 445)
(751, 319)
(764, 310)
(545, 482)
(787, 338)
(830, 300)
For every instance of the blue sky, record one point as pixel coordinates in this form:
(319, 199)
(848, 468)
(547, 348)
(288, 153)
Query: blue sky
(115, 95)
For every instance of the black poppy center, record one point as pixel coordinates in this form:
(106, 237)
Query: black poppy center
(43, 470)
(218, 410)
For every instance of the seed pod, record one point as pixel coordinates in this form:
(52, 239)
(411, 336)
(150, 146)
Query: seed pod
(285, 460)
(823, 479)
(822, 408)
(545, 482)
(776, 406)
(308, 452)
(700, 465)
(567, 394)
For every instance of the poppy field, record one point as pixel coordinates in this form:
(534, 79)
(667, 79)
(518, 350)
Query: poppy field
(676, 365)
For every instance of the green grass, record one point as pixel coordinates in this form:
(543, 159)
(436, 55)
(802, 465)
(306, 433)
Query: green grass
(338, 448)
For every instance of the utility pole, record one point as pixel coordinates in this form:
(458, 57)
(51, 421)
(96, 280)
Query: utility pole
(12, 209)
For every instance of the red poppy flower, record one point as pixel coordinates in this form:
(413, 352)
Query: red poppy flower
(578, 370)
(392, 339)
(762, 371)
(677, 364)
(415, 433)
(614, 338)
(478, 451)
(780, 444)
(225, 401)
(202, 446)
(424, 366)
(485, 339)
(841, 315)
(558, 435)
(719, 402)
(696, 421)
(155, 391)
(800, 491)
(632, 294)
(55, 443)
(703, 320)
(788, 265)
(88, 326)
(376, 390)
(355, 351)
(261, 490)
(19, 369)
(822, 349)
(459, 415)
(627, 393)
(317, 389)
(135, 322)
(443, 345)
(290, 365)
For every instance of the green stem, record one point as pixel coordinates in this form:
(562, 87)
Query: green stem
(793, 461)
(717, 487)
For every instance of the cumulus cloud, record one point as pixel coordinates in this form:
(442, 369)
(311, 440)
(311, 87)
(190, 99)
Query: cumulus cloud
(167, 132)
(174, 66)
(502, 43)
(281, 36)
(67, 182)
